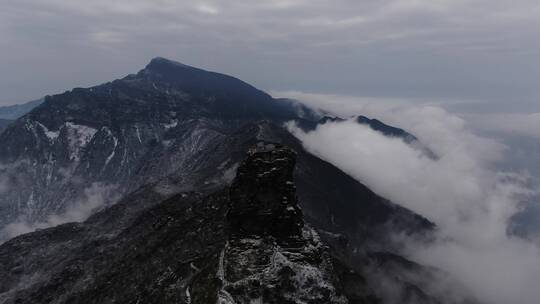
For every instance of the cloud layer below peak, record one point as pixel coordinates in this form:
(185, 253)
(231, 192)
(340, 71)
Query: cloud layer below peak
(463, 191)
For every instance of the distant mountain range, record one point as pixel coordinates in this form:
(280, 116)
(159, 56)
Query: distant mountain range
(10, 113)
(207, 197)
(15, 111)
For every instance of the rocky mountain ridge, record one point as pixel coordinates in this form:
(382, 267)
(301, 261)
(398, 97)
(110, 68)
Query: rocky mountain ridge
(169, 123)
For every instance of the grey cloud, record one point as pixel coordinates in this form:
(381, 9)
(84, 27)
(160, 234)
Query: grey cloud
(470, 197)
(95, 196)
(402, 48)
(515, 133)
(471, 203)
(507, 124)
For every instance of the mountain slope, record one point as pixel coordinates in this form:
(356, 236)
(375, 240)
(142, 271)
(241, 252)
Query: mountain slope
(109, 133)
(169, 123)
(221, 261)
(242, 244)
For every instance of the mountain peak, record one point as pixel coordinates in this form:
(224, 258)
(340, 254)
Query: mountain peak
(161, 61)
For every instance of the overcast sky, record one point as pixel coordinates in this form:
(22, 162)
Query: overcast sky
(446, 50)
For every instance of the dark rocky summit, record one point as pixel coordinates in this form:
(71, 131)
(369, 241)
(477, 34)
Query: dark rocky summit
(263, 196)
(272, 255)
(125, 133)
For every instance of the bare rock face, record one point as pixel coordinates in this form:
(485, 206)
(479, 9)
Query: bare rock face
(263, 197)
(271, 255)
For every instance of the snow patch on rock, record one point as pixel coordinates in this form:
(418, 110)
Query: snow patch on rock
(171, 124)
(78, 137)
(52, 135)
(115, 145)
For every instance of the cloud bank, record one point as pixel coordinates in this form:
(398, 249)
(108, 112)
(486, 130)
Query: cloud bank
(94, 197)
(510, 124)
(463, 192)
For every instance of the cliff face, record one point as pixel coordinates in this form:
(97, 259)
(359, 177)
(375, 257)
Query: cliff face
(263, 195)
(272, 255)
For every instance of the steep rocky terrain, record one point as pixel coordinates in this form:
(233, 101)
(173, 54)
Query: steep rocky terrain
(125, 133)
(247, 243)
(238, 245)
(179, 213)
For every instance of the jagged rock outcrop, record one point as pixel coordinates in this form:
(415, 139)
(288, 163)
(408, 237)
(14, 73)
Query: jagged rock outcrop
(263, 195)
(271, 255)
